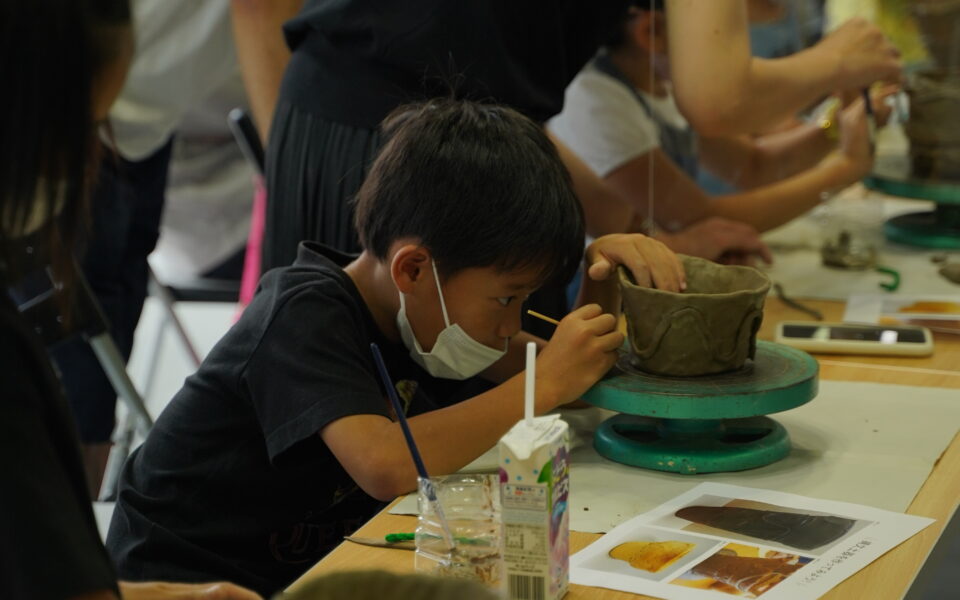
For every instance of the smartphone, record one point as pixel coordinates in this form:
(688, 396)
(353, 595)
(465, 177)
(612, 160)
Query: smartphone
(855, 338)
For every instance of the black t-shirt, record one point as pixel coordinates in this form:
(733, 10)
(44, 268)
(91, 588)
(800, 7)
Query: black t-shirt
(234, 481)
(355, 60)
(49, 544)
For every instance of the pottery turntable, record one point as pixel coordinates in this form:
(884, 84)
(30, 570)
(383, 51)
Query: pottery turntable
(691, 402)
(939, 228)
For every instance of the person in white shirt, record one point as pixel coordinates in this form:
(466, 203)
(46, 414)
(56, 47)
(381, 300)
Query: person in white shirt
(185, 52)
(619, 116)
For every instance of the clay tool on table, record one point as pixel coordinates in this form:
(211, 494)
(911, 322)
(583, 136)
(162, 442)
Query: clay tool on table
(384, 542)
(778, 290)
(426, 482)
(402, 541)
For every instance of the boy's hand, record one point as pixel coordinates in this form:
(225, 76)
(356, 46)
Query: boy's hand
(583, 348)
(651, 262)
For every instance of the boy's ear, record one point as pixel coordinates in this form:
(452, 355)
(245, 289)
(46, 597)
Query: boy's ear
(410, 266)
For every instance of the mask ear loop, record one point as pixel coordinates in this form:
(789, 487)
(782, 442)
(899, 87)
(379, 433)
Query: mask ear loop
(443, 305)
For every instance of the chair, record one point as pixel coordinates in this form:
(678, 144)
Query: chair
(249, 141)
(215, 290)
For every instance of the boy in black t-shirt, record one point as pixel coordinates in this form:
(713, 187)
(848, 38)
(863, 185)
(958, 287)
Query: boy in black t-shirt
(283, 440)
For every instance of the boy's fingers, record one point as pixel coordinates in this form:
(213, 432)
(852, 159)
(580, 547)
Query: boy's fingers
(602, 324)
(600, 270)
(610, 342)
(587, 311)
(667, 270)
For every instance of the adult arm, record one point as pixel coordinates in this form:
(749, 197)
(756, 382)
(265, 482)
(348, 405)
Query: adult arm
(262, 52)
(680, 202)
(608, 210)
(723, 90)
(604, 210)
(749, 162)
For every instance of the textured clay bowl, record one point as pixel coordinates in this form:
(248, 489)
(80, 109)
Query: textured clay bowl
(709, 328)
(933, 128)
(939, 24)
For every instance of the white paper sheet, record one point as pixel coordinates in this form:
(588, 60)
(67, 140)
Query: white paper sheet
(865, 443)
(776, 556)
(939, 313)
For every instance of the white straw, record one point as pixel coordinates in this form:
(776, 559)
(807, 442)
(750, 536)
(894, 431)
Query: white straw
(528, 389)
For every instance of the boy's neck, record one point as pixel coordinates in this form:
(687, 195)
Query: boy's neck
(378, 291)
(635, 65)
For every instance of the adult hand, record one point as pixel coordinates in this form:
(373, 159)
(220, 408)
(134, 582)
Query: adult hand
(861, 53)
(650, 261)
(159, 590)
(879, 100)
(721, 240)
(855, 138)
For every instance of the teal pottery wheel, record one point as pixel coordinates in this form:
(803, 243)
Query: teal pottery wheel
(703, 424)
(939, 228)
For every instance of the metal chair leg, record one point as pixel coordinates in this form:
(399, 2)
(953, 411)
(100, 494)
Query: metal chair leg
(168, 302)
(135, 417)
(153, 367)
(115, 368)
(122, 441)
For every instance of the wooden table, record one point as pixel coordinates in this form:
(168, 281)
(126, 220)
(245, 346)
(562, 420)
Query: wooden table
(888, 577)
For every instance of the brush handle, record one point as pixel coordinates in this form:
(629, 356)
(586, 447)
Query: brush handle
(417, 460)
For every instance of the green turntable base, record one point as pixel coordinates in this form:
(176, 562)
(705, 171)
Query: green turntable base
(703, 424)
(939, 228)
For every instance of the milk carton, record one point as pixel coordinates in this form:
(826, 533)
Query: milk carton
(534, 486)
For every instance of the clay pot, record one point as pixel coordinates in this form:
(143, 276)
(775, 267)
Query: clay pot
(933, 128)
(939, 23)
(709, 328)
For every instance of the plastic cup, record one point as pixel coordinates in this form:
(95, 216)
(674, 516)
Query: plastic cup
(471, 505)
(851, 231)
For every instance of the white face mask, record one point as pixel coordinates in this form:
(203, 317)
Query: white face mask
(455, 354)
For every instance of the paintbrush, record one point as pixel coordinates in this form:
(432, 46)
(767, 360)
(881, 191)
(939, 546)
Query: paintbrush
(534, 313)
(425, 480)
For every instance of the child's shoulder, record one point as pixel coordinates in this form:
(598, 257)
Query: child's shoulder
(315, 289)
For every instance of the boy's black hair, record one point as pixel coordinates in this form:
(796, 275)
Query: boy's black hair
(618, 34)
(478, 184)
